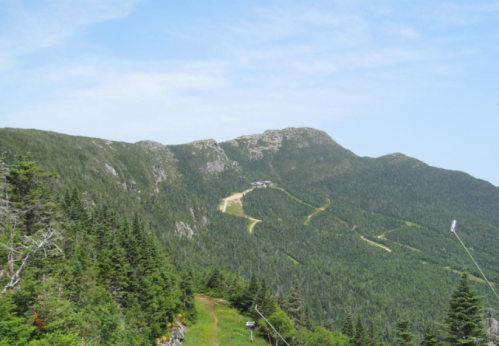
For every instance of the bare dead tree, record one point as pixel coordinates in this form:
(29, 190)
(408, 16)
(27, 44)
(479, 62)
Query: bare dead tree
(25, 251)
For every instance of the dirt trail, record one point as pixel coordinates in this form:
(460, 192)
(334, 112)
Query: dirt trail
(317, 211)
(253, 224)
(376, 244)
(210, 303)
(236, 198)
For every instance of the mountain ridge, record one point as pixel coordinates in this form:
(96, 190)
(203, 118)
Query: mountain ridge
(178, 188)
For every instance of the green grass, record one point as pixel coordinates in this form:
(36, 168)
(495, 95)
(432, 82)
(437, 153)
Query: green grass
(201, 333)
(234, 208)
(231, 330)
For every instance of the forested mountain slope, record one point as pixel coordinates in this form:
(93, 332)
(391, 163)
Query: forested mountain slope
(396, 201)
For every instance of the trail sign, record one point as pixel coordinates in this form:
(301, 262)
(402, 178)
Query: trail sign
(251, 325)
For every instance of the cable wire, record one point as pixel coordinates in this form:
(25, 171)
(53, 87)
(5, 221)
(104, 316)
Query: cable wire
(453, 230)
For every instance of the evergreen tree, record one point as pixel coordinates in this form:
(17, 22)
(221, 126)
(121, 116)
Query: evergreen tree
(266, 304)
(329, 325)
(360, 338)
(295, 308)
(372, 335)
(429, 338)
(215, 280)
(249, 294)
(347, 327)
(464, 325)
(187, 291)
(29, 193)
(404, 337)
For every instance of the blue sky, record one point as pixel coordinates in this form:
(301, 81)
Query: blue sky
(416, 77)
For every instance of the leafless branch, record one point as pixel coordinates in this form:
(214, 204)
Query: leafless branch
(15, 277)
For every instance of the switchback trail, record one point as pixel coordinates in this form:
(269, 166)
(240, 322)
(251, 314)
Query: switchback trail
(235, 205)
(317, 211)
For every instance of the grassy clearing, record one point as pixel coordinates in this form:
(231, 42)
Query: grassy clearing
(235, 208)
(231, 329)
(200, 333)
(219, 325)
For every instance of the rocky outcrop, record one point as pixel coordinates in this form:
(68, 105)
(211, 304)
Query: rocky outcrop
(216, 160)
(183, 230)
(177, 336)
(255, 146)
(165, 168)
(110, 169)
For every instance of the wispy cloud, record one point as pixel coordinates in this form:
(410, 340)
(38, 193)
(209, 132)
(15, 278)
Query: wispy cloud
(452, 13)
(295, 63)
(33, 26)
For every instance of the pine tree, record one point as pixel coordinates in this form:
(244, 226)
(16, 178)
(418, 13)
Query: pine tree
(464, 325)
(187, 292)
(404, 337)
(372, 335)
(295, 308)
(360, 338)
(347, 327)
(429, 338)
(29, 193)
(249, 294)
(266, 304)
(215, 280)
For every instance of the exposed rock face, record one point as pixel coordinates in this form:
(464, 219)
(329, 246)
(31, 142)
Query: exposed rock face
(159, 173)
(216, 159)
(204, 221)
(183, 230)
(213, 167)
(110, 169)
(165, 168)
(271, 141)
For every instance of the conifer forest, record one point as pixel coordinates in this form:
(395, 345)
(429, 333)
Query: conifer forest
(113, 243)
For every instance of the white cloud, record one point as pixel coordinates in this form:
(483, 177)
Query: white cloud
(294, 65)
(35, 26)
(456, 13)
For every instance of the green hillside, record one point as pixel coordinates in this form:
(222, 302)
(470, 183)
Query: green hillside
(393, 201)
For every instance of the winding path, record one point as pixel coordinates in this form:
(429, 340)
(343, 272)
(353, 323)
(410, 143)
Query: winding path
(317, 211)
(236, 198)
